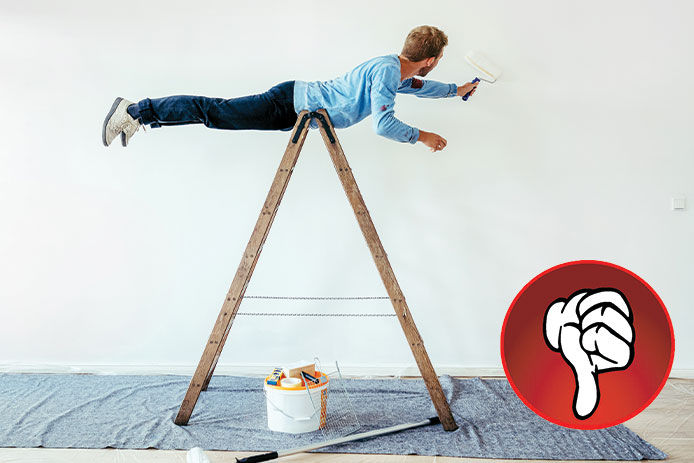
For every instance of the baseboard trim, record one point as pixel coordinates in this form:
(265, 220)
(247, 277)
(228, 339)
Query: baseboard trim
(260, 370)
(352, 370)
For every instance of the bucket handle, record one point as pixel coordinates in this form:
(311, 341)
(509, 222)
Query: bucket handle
(301, 418)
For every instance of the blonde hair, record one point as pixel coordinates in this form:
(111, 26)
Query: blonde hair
(424, 42)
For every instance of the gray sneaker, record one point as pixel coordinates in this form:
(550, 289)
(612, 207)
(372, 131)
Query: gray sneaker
(118, 121)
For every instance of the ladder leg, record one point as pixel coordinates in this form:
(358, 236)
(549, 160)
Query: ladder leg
(386, 271)
(214, 363)
(213, 348)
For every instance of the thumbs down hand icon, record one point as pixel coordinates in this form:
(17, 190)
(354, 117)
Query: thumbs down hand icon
(593, 330)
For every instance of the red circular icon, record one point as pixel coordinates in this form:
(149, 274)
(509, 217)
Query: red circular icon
(587, 344)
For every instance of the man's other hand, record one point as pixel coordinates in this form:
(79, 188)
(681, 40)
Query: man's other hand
(433, 141)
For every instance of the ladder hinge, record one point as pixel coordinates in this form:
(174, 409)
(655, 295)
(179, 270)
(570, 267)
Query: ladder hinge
(322, 120)
(326, 126)
(306, 117)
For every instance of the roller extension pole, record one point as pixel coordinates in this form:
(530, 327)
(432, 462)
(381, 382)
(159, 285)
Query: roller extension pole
(363, 435)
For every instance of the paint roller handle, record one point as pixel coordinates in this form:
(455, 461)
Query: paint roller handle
(256, 458)
(467, 95)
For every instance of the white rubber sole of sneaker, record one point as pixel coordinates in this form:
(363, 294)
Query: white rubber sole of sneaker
(108, 116)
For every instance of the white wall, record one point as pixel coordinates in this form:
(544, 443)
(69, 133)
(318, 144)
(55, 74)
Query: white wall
(123, 256)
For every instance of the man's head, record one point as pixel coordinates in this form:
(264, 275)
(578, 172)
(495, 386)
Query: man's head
(424, 45)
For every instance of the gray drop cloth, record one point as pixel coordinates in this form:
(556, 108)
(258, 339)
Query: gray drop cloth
(98, 411)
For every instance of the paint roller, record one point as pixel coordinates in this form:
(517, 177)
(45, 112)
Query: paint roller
(486, 69)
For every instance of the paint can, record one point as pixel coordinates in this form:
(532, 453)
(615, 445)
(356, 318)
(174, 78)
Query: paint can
(294, 408)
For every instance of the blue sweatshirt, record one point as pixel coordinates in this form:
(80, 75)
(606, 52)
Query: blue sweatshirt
(369, 88)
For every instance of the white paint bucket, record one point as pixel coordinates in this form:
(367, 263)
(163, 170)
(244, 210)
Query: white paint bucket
(292, 410)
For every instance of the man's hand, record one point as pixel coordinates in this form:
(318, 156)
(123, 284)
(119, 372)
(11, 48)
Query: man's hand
(433, 141)
(469, 87)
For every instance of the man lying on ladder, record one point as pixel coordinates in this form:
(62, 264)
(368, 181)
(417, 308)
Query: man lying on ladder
(369, 88)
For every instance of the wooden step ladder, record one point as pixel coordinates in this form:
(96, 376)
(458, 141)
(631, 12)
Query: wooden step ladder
(230, 307)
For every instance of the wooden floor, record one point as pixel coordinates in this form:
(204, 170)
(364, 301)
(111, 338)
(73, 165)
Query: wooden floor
(667, 423)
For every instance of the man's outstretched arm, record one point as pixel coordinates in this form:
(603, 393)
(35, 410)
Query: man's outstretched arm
(433, 89)
(427, 88)
(387, 125)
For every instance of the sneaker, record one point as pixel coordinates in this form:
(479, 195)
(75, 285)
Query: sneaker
(118, 121)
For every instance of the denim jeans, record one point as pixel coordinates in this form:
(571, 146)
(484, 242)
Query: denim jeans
(272, 110)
